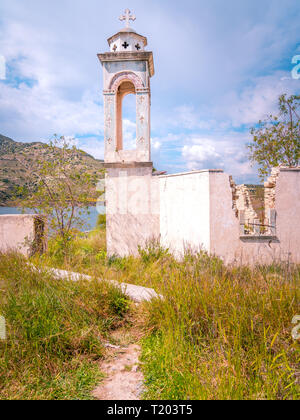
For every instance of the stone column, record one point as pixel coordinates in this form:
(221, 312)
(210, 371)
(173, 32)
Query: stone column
(143, 125)
(109, 125)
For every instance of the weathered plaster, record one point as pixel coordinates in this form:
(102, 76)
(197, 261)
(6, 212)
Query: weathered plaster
(184, 211)
(23, 233)
(132, 209)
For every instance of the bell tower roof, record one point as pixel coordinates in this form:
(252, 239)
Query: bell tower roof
(127, 40)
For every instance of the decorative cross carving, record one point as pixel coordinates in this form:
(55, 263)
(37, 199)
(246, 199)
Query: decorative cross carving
(125, 45)
(142, 119)
(127, 17)
(138, 47)
(108, 121)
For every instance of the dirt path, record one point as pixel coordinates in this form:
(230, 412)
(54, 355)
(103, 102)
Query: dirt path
(124, 379)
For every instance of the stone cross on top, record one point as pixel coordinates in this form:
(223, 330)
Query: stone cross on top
(127, 17)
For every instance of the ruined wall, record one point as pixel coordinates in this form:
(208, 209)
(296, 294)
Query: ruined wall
(228, 243)
(199, 210)
(23, 233)
(250, 199)
(252, 203)
(270, 189)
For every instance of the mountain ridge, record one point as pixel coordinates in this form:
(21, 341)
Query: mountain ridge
(13, 175)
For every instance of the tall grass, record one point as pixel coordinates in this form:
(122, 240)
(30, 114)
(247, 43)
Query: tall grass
(55, 332)
(223, 333)
(220, 332)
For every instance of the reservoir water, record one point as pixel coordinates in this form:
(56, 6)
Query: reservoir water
(89, 222)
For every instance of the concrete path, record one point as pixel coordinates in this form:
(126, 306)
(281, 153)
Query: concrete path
(136, 293)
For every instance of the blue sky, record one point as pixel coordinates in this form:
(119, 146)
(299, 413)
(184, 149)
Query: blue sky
(220, 66)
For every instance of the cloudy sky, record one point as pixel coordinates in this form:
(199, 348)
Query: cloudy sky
(220, 66)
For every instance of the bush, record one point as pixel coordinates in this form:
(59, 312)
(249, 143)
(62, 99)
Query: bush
(152, 251)
(101, 221)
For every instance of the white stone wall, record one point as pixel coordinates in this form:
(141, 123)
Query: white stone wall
(184, 211)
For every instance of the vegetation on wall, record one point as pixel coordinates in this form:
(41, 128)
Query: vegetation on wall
(276, 140)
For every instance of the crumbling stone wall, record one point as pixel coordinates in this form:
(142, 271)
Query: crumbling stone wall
(249, 199)
(270, 185)
(252, 203)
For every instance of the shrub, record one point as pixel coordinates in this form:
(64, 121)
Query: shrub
(152, 251)
(101, 221)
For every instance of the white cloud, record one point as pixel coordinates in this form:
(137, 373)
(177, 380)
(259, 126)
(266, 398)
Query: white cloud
(39, 113)
(256, 101)
(129, 134)
(156, 144)
(92, 146)
(45, 91)
(187, 116)
(199, 153)
(226, 152)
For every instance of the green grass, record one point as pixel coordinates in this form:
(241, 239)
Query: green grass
(220, 332)
(223, 334)
(55, 330)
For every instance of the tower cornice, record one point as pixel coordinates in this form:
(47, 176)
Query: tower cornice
(129, 56)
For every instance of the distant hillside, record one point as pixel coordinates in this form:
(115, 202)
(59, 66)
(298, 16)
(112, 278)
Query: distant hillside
(12, 174)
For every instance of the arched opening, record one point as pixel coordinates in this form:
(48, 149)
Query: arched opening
(129, 122)
(126, 116)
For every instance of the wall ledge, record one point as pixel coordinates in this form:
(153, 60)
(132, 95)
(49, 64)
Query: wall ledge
(124, 165)
(258, 238)
(193, 173)
(290, 169)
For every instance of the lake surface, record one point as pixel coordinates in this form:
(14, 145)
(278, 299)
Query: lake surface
(89, 223)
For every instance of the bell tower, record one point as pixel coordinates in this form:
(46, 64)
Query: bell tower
(127, 68)
(131, 193)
